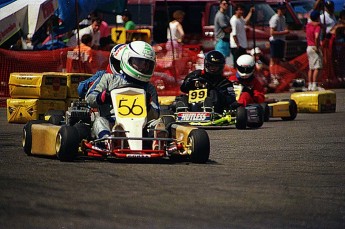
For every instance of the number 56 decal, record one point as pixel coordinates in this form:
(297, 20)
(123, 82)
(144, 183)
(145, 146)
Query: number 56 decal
(131, 106)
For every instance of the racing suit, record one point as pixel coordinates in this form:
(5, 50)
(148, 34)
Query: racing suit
(252, 91)
(98, 96)
(220, 89)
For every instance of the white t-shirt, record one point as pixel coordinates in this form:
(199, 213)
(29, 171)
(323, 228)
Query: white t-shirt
(87, 30)
(278, 24)
(238, 26)
(174, 31)
(330, 21)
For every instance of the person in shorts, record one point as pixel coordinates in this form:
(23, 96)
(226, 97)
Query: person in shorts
(278, 31)
(222, 29)
(314, 53)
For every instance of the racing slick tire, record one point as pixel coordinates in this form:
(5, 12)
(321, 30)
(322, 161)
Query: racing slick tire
(260, 114)
(84, 131)
(292, 110)
(241, 118)
(67, 143)
(168, 120)
(27, 136)
(199, 144)
(266, 109)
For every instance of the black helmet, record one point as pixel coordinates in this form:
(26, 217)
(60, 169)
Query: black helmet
(214, 63)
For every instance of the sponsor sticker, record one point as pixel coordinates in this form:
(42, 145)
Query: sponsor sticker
(193, 116)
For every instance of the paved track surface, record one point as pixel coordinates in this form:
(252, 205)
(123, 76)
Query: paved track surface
(283, 175)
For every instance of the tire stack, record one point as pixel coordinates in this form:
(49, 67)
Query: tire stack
(33, 94)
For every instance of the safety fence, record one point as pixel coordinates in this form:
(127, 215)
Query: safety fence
(170, 69)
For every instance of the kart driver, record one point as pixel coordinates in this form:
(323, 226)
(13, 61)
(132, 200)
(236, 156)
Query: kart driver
(252, 90)
(114, 67)
(220, 89)
(137, 64)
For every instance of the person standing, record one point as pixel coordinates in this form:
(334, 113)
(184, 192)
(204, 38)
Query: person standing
(222, 29)
(92, 29)
(328, 19)
(238, 37)
(175, 33)
(128, 24)
(278, 31)
(313, 30)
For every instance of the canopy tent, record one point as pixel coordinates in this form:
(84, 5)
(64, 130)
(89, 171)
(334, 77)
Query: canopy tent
(73, 11)
(28, 16)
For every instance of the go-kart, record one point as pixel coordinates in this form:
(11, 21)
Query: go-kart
(285, 109)
(196, 109)
(132, 135)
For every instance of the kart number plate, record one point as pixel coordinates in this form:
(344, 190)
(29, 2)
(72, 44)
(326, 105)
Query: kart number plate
(195, 96)
(131, 106)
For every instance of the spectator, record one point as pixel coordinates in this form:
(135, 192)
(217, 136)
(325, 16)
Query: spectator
(92, 29)
(175, 34)
(328, 19)
(278, 31)
(238, 37)
(339, 29)
(128, 24)
(85, 48)
(222, 29)
(314, 52)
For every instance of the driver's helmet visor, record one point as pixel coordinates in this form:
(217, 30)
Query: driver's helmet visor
(245, 69)
(144, 66)
(214, 68)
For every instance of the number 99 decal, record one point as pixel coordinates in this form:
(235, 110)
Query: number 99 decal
(197, 95)
(130, 106)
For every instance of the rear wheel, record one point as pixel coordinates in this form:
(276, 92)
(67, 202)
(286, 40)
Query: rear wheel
(199, 145)
(259, 119)
(67, 143)
(266, 110)
(292, 111)
(241, 118)
(27, 136)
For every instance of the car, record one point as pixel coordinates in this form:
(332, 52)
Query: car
(196, 109)
(132, 135)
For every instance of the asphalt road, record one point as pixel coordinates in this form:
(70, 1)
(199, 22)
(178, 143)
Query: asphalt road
(283, 175)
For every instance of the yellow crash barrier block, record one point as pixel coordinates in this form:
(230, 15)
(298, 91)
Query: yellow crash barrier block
(315, 101)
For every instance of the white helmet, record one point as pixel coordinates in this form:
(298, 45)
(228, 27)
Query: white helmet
(115, 58)
(138, 60)
(245, 66)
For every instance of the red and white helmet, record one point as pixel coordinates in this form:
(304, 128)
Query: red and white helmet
(115, 58)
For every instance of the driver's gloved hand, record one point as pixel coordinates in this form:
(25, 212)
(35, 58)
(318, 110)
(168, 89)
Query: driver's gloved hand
(103, 98)
(235, 105)
(248, 90)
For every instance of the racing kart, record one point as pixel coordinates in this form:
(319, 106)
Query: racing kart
(286, 109)
(196, 109)
(132, 136)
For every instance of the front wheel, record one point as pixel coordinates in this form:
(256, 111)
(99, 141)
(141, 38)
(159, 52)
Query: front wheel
(27, 136)
(241, 118)
(292, 111)
(199, 146)
(67, 143)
